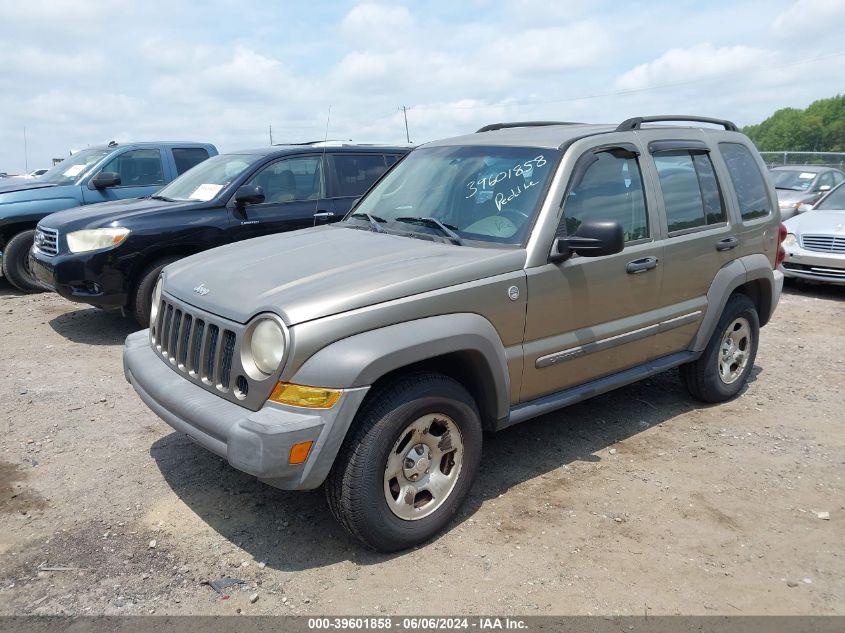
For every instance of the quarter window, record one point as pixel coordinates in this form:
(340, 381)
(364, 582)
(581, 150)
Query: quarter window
(354, 173)
(611, 189)
(747, 181)
(691, 193)
(137, 168)
(291, 179)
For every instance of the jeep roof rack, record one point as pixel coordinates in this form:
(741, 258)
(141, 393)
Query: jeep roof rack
(501, 126)
(636, 122)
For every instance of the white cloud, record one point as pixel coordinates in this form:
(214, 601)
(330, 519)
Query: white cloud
(809, 17)
(685, 64)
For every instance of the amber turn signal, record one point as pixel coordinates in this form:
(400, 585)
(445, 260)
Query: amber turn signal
(299, 452)
(304, 396)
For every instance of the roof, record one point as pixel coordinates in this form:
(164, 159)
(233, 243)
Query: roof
(550, 136)
(282, 150)
(813, 168)
(115, 144)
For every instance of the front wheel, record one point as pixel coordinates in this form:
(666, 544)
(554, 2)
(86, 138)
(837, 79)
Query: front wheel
(16, 263)
(408, 464)
(723, 369)
(142, 299)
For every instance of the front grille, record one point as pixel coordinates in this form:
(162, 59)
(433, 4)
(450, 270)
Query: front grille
(194, 346)
(47, 240)
(824, 243)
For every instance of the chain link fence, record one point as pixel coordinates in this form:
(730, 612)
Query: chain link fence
(822, 159)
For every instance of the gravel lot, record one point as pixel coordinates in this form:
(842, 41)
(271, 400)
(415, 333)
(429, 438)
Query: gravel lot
(639, 501)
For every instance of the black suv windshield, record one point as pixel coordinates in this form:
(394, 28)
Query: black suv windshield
(488, 194)
(72, 169)
(207, 179)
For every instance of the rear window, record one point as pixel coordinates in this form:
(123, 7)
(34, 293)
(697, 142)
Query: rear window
(187, 157)
(747, 180)
(354, 173)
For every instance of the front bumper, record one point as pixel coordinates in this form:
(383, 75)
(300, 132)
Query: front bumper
(255, 442)
(84, 277)
(814, 265)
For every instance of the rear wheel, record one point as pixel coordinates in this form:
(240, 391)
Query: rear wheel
(16, 263)
(408, 464)
(722, 370)
(142, 298)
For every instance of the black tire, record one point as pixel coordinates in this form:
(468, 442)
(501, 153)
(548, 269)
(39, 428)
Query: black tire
(356, 488)
(16, 263)
(143, 295)
(702, 377)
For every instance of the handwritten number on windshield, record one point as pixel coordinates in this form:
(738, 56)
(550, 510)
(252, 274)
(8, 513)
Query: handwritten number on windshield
(518, 170)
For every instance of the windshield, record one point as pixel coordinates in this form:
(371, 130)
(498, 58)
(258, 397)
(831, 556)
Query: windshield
(487, 194)
(834, 200)
(794, 180)
(70, 169)
(207, 179)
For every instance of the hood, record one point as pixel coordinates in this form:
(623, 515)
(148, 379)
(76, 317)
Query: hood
(11, 185)
(317, 272)
(820, 222)
(788, 196)
(115, 212)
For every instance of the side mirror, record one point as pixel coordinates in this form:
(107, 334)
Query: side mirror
(105, 179)
(249, 194)
(824, 188)
(592, 239)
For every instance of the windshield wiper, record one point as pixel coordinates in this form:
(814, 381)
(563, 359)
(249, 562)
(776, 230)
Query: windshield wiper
(374, 220)
(165, 198)
(446, 229)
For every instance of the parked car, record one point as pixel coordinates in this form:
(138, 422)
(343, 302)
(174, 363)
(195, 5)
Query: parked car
(111, 255)
(370, 354)
(37, 173)
(815, 243)
(96, 174)
(799, 185)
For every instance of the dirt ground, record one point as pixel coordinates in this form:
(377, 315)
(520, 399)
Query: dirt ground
(639, 501)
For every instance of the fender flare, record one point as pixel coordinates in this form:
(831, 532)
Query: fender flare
(360, 360)
(736, 273)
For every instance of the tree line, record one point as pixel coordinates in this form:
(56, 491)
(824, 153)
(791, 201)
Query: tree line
(820, 127)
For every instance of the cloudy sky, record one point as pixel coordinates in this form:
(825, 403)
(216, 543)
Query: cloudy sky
(80, 72)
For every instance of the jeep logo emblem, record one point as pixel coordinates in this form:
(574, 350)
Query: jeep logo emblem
(201, 290)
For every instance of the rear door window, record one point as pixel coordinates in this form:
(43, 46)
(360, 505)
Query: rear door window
(747, 181)
(187, 157)
(690, 191)
(355, 173)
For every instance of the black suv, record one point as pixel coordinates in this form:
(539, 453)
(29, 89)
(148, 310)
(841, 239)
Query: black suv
(111, 254)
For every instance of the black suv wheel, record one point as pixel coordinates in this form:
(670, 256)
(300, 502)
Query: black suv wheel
(408, 464)
(722, 370)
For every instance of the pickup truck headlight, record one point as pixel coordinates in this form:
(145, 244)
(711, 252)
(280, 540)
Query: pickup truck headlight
(156, 302)
(95, 239)
(790, 240)
(267, 345)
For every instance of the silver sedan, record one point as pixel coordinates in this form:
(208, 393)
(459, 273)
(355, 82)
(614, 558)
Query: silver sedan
(815, 242)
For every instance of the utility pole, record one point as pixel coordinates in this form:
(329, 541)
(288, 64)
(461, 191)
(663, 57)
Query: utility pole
(405, 114)
(271, 134)
(25, 152)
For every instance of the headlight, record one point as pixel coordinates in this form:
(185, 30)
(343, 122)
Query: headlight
(156, 302)
(790, 240)
(95, 239)
(267, 345)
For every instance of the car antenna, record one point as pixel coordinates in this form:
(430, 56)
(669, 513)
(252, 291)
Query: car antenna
(323, 182)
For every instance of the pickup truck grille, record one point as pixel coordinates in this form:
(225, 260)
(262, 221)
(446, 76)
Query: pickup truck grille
(47, 240)
(195, 346)
(824, 243)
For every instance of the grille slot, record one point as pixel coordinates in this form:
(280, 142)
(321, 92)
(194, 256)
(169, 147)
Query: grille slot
(824, 243)
(201, 349)
(47, 240)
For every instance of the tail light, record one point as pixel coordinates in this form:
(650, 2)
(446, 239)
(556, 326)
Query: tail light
(781, 250)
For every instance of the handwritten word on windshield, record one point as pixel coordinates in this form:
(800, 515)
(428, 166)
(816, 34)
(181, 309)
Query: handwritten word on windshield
(523, 171)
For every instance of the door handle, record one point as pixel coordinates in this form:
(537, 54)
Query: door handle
(727, 244)
(322, 215)
(641, 265)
